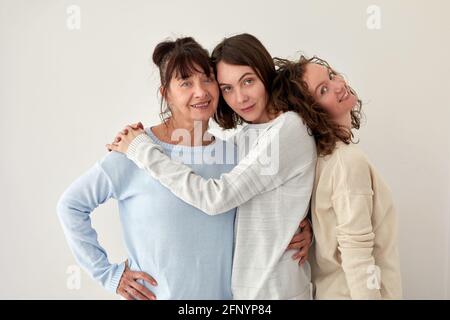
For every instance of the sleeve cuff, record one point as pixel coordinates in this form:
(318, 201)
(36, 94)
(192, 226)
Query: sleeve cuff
(115, 279)
(132, 148)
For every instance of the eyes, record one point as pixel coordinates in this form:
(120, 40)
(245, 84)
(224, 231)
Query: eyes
(189, 82)
(324, 89)
(246, 82)
(225, 89)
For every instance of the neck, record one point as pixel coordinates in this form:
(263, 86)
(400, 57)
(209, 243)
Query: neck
(345, 121)
(186, 132)
(266, 116)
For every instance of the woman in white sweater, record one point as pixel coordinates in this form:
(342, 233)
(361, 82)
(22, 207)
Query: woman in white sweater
(271, 185)
(355, 254)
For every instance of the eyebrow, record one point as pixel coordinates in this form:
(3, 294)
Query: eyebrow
(318, 86)
(182, 78)
(179, 78)
(244, 75)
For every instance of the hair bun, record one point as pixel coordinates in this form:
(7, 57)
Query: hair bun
(161, 51)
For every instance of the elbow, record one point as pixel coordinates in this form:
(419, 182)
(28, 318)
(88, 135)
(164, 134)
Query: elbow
(356, 241)
(61, 208)
(215, 209)
(212, 211)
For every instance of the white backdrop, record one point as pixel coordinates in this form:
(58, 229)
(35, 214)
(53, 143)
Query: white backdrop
(72, 73)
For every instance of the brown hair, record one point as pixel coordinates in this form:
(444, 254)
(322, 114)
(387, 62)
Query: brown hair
(290, 92)
(179, 58)
(246, 50)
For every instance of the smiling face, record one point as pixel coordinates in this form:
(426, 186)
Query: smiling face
(193, 98)
(331, 92)
(243, 91)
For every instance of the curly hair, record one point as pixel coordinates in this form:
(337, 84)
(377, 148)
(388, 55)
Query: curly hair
(290, 93)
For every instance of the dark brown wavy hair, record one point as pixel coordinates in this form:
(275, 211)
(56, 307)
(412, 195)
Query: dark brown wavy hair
(290, 93)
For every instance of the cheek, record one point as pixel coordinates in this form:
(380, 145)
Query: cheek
(261, 94)
(229, 99)
(330, 106)
(215, 92)
(177, 99)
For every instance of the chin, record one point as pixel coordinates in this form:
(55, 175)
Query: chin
(251, 117)
(202, 117)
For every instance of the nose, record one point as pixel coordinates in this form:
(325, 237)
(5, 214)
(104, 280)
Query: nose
(241, 96)
(339, 86)
(200, 91)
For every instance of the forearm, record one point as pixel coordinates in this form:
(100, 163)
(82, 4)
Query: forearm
(291, 154)
(74, 209)
(212, 196)
(356, 239)
(359, 266)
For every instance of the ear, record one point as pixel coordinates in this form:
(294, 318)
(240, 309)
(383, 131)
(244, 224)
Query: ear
(165, 95)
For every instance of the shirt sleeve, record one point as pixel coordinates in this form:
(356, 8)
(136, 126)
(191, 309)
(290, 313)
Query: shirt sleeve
(74, 208)
(353, 204)
(282, 152)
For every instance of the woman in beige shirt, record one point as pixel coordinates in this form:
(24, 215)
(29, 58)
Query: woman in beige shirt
(355, 253)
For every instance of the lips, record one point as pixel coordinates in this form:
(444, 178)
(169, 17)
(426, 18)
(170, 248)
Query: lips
(344, 96)
(247, 109)
(201, 105)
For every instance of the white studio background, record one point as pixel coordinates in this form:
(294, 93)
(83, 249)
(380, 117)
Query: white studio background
(73, 73)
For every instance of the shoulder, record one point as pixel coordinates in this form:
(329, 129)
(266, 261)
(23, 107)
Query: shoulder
(350, 166)
(350, 156)
(116, 166)
(295, 135)
(292, 140)
(291, 121)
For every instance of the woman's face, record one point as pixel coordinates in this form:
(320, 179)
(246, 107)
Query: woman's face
(243, 91)
(329, 90)
(194, 98)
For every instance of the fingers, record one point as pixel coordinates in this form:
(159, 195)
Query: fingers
(130, 289)
(304, 223)
(112, 147)
(125, 294)
(135, 293)
(128, 129)
(308, 236)
(303, 259)
(146, 277)
(147, 294)
(302, 253)
(139, 125)
(297, 245)
(136, 126)
(298, 237)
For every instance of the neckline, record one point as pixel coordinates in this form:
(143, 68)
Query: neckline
(170, 146)
(265, 124)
